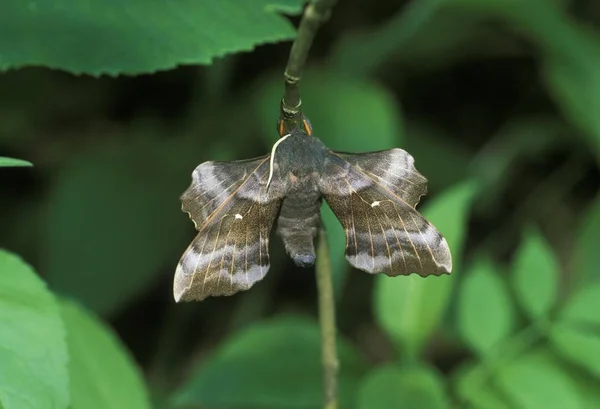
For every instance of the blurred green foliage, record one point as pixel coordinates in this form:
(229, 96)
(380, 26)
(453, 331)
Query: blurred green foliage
(497, 100)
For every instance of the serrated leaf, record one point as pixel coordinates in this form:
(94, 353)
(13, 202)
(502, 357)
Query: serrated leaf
(535, 274)
(103, 375)
(485, 312)
(583, 307)
(33, 351)
(410, 308)
(100, 37)
(393, 387)
(587, 256)
(536, 381)
(580, 347)
(114, 222)
(274, 364)
(11, 162)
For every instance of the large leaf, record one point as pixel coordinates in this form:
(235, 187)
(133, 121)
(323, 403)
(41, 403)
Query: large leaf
(106, 37)
(10, 162)
(581, 347)
(114, 222)
(485, 312)
(587, 256)
(535, 275)
(274, 364)
(33, 352)
(103, 375)
(583, 307)
(410, 308)
(390, 387)
(351, 114)
(537, 381)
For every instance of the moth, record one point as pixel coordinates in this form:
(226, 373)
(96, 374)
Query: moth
(234, 206)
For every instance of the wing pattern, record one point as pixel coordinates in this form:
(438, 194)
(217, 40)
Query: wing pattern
(374, 196)
(233, 213)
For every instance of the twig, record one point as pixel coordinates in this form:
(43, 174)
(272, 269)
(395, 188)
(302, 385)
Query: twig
(290, 115)
(327, 322)
(316, 13)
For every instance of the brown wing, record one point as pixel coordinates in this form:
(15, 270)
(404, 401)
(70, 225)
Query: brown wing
(233, 212)
(374, 196)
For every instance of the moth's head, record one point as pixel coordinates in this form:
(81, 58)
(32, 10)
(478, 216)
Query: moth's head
(286, 126)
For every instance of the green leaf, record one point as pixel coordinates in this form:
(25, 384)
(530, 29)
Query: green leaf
(580, 347)
(485, 312)
(410, 308)
(348, 114)
(474, 386)
(103, 375)
(100, 37)
(33, 351)
(588, 391)
(275, 364)
(587, 256)
(10, 162)
(449, 212)
(392, 387)
(114, 224)
(583, 307)
(536, 381)
(535, 275)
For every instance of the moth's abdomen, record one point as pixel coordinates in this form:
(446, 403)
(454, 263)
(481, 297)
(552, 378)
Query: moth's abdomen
(298, 225)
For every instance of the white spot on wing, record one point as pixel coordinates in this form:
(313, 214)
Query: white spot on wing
(375, 203)
(238, 216)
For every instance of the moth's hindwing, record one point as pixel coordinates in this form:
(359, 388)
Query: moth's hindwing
(374, 196)
(233, 213)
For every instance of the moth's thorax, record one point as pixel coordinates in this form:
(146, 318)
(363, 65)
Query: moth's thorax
(300, 158)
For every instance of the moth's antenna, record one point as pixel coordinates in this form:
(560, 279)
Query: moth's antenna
(275, 145)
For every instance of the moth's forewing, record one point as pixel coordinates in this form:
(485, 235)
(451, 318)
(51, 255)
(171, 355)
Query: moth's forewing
(233, 212)
(374, 196)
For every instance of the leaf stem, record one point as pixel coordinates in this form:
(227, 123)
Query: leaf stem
(316, 13)
(327, 322)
